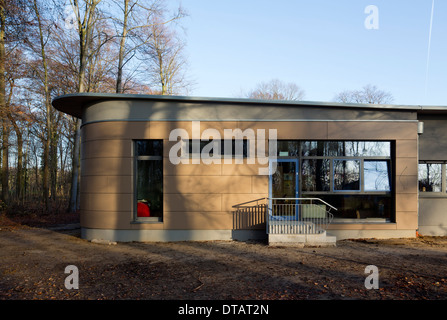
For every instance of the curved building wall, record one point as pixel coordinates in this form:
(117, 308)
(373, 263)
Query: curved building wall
(198, 198)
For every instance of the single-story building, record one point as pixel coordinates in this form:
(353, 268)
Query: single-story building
(167, 168)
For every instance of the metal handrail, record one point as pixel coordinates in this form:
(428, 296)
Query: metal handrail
(306, 225)
(256, 200)
(332, 207)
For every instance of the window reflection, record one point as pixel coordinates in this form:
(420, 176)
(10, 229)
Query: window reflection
(346, 148)
(149, 147)
(315, 175)
(287, 148)
(430, 177)
(149, 179)
(347, 175)
(235, 148)
(150, 188)
(362, 207)
(376, 175)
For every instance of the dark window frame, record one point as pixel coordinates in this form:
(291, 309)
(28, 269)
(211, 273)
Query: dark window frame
(203, 143)
(385, 152)
(152, 155)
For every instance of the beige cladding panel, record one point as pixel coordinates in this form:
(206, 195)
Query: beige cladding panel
(407, 184)
(105, 219)
(199, 220)
(106, 166)
(201, 196)
(113, 148)
(122, 130)
(243, 169)
(407, 219)
(230, 200)
(207, 184)
(190, 169)
(407, 148)
(260, 184)
(288, 129)
(106, 184)
(372, 130)
(192, 202)
(112, 202)
(406, 166)
(406, 202)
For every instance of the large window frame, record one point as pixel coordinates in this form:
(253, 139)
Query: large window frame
(362, 159)
(365, 154)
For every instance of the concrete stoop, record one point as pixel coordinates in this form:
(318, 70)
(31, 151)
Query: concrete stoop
(302, 240)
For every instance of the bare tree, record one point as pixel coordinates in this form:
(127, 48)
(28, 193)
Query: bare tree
(136, 16)
(369, 94)
(276, 90)
(143, 27)
(165, 60)
(43, 32)
(86, 14)
(13, 26)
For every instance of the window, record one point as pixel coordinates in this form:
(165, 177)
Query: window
(149, 180)
(287, 148)
(377, 175)
(354, 176)
(235, 148)
(347, 175)
(346, 148)
(430, 177)
(315, 175)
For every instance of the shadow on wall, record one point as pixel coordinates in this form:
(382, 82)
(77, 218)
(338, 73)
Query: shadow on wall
(115, 167)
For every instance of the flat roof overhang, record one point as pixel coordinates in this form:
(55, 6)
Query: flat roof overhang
(74, 104)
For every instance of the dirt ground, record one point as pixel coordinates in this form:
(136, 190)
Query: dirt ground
(34, 258)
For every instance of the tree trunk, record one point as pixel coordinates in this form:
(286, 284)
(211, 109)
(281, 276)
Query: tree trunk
(119, 78)
(3, 109)
(19, 178)
(73, 203)
(85, 29)
(47, 139)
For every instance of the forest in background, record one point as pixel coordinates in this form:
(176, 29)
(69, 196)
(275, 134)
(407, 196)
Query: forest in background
(50, 48)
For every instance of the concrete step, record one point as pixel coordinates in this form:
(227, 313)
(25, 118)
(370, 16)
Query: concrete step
(302, 240)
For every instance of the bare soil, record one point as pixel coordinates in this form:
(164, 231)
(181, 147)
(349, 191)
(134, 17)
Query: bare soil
(34, 255)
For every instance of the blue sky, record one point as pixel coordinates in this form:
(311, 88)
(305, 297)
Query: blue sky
(322, 46)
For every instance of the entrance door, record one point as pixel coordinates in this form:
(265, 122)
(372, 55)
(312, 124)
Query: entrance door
(283, 183)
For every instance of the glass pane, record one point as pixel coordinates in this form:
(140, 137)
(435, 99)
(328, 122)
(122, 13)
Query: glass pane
(239, 148)
(284, 180)
(201, 144)
(150, 188)
(347, 175)
(318, 148)
(430, 177)
(287, 148)
(235, 148)
(360, 207)
(149, 147)
(376, 175)
(315, 175)
(365, 149)
(345, 148)
(376, 148)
